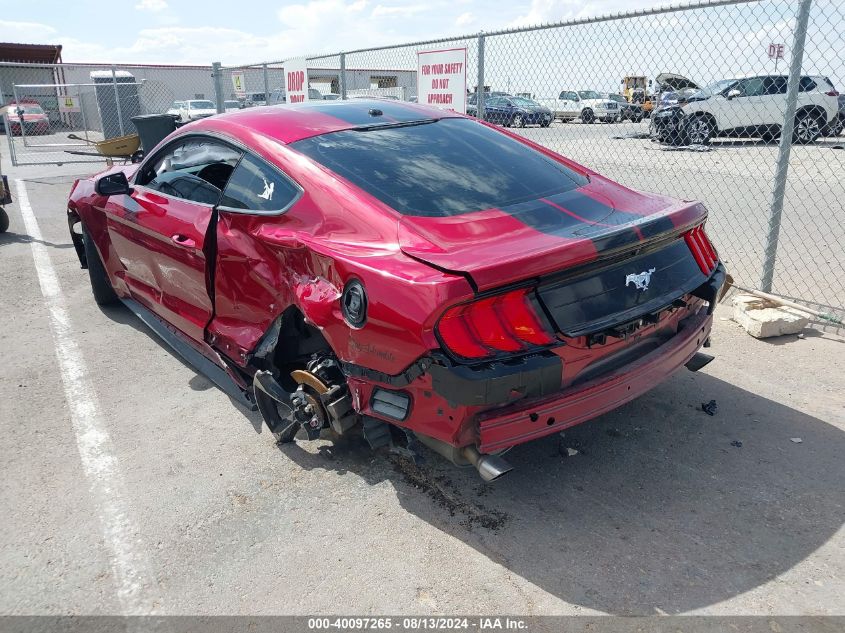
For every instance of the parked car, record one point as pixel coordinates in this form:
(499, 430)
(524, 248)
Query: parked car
(176, 109)
(747, 107)
(232, 105)
(587, 105)
(627, 111)
(472, 100)
(195, 109)
(516, 111)
(835, 127)
(26, 117)
(411, 271)
(254, 99)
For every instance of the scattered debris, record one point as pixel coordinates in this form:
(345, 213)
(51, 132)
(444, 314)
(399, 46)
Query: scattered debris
(736, 443)
(636, 135)
(796, 440)
(690, 148)
(442, 491)
(710, 408)
(571, 452)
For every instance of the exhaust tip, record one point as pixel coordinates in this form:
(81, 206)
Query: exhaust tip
(490, 467)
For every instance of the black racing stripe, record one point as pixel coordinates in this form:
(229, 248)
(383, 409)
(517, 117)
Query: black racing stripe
(596, 211)
(593, 210)
(546, 218)
(357, 111)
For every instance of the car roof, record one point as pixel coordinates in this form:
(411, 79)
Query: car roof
(288, 123)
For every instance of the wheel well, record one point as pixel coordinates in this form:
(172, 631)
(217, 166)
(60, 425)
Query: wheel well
(74, 222)
(818, 111)
(705, 115)
(287, 345)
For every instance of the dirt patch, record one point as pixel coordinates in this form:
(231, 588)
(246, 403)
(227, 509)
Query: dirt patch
(444, 493)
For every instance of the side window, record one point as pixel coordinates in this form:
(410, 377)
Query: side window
(806, 84)
(494, 102)
(196, 169)
(751, 87)
(562, 96)
(775, 86)
(571, 96)
(255, 186)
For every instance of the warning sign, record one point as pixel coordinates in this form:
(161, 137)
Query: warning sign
(442, 78)
(296, 80)
(69, 104)
(239, 84)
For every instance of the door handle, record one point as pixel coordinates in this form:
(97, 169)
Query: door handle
(183, 240)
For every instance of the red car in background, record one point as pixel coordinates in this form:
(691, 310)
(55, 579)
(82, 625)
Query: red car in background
(28, 115)
(420, 273)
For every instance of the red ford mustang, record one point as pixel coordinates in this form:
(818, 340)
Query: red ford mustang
(425, 275)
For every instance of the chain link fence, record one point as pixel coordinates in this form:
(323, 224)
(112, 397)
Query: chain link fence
(67, 113)
(731, 102)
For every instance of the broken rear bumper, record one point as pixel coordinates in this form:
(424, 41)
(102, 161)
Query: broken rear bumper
(526, 421)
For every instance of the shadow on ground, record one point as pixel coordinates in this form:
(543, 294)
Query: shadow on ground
(662, 508)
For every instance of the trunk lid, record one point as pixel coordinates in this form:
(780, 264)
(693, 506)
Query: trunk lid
(496, 247)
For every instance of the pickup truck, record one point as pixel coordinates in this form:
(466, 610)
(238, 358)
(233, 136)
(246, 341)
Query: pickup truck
(587, 105)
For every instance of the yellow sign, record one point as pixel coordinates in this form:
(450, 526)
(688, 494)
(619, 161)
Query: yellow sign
(239, 83)
(69, 104)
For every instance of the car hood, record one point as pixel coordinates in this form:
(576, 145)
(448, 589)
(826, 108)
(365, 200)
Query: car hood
(495, 247)
(671, 81)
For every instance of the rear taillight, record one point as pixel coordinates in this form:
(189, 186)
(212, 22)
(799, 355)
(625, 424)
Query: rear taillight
(488, 327)
(702, 250)
(832, 93)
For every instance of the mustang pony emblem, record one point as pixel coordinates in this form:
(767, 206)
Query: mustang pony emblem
(640, 280)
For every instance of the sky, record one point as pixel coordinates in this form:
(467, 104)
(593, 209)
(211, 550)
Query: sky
(191, 32)
(703, 44)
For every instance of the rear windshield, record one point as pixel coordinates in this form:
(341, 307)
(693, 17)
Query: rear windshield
(443, 168)
(201, 105)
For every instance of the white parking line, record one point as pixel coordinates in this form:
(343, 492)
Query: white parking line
(136, 589)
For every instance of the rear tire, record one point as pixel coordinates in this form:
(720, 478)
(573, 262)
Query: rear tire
(587, 116)
(807, 128)
(4, 220)
(518, 121)
(101, 287)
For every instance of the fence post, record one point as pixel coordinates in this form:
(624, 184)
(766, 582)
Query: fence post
(117, 100)
(343, 76)
(479, 89)
(217, 76)
(266, 85)
(785, 146)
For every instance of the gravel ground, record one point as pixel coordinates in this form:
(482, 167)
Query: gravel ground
(178, 501)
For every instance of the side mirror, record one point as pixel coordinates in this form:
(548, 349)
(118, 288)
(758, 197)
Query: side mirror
(733, 94)
(114, 184)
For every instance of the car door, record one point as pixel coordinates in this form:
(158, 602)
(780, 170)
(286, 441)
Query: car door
(250, 281)
(573, 104)
(746, 109)
(159, 231)
(494, 110)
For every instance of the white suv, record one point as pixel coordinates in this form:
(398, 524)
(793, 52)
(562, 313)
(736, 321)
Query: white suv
(755, 106)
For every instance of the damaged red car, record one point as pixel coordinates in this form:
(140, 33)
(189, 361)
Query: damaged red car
(413, 272)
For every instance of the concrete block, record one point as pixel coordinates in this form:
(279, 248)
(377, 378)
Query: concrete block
(762, 318)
